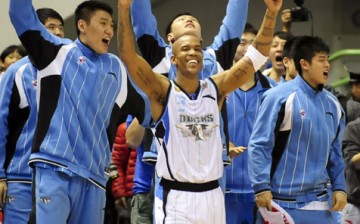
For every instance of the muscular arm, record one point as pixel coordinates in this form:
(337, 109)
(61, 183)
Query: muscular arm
(154, 85)
(243, 70)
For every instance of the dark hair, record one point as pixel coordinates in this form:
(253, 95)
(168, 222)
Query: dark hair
(305, 47)
(46, 13)
(249, 28)
(85, 10)
(168, 27)
(10, 49)
(283, 35)
(288, 48)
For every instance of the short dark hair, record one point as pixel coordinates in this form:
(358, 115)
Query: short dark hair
(168, 27)
(86, 9)
(288, 48)
(283, 35)
(305, 47)
(10, 49)
(46, 13)
(249, 28)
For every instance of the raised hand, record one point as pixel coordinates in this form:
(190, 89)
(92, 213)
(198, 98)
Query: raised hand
(273, 5)
(124, 2)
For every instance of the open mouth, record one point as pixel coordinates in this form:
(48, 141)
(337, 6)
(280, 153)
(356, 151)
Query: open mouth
(278, 59)
(106, 41)
(326, 74)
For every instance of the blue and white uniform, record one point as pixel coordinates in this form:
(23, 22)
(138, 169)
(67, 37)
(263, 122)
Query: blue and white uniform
(82, 96)
(296, 140)
(190, 157)
(216, 57)
(17, 127)
(242, 108)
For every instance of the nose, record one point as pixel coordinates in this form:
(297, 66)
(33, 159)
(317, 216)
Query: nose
(110, 31)
(59, 32)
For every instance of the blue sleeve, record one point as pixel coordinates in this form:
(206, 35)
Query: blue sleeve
(32, 33)
(144, 22)
(6, 89)
(228, 38)
(262, 141)
(233, 23)
(336, 163)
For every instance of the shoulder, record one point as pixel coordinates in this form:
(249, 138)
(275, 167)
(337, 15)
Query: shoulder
(281, 91)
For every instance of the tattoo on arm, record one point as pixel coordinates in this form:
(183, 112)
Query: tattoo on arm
(260, 44)
(267, 32)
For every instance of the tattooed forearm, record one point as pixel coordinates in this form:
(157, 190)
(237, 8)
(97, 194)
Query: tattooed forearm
(260, 44)
(243, 70)
(267, 31)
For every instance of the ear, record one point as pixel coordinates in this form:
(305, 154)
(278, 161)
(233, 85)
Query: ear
(173, 60)
(170, 38)
(81, 24)
(1, 66)
(304, 65)
(286, 62)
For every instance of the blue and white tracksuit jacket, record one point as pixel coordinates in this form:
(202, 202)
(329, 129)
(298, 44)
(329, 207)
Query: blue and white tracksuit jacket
(82, 96)
(296, 140)
(17, 121)
(242, 108)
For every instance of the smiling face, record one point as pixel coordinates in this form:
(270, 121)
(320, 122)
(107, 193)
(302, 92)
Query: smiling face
(316, 72)
(187, 55)
(98, 32)
(183, 25)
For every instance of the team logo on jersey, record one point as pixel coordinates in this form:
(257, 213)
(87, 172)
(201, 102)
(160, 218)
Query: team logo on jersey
(302, 114)
(81, 60)
(34, 83)
(204, 85)
(10, 199)
(196, 126)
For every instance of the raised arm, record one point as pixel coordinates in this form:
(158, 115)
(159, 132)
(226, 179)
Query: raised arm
(155, 86)
(227, 40)
(33, 35)
(244, 69)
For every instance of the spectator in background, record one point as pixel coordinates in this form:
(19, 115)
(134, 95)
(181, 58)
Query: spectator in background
(351, 150)
(10, 55)
(288, 61)
(277, 69)
(353, 103)
(124, 158)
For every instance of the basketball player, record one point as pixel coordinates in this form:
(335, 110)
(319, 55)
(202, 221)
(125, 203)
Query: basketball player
(187, 112)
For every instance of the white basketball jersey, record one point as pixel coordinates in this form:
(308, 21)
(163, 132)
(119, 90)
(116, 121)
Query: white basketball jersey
(188, 136)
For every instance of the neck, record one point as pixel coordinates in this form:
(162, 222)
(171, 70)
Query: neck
(188, 84)
(275, 75)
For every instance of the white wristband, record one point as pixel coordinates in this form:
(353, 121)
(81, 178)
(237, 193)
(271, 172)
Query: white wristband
(256, 57)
